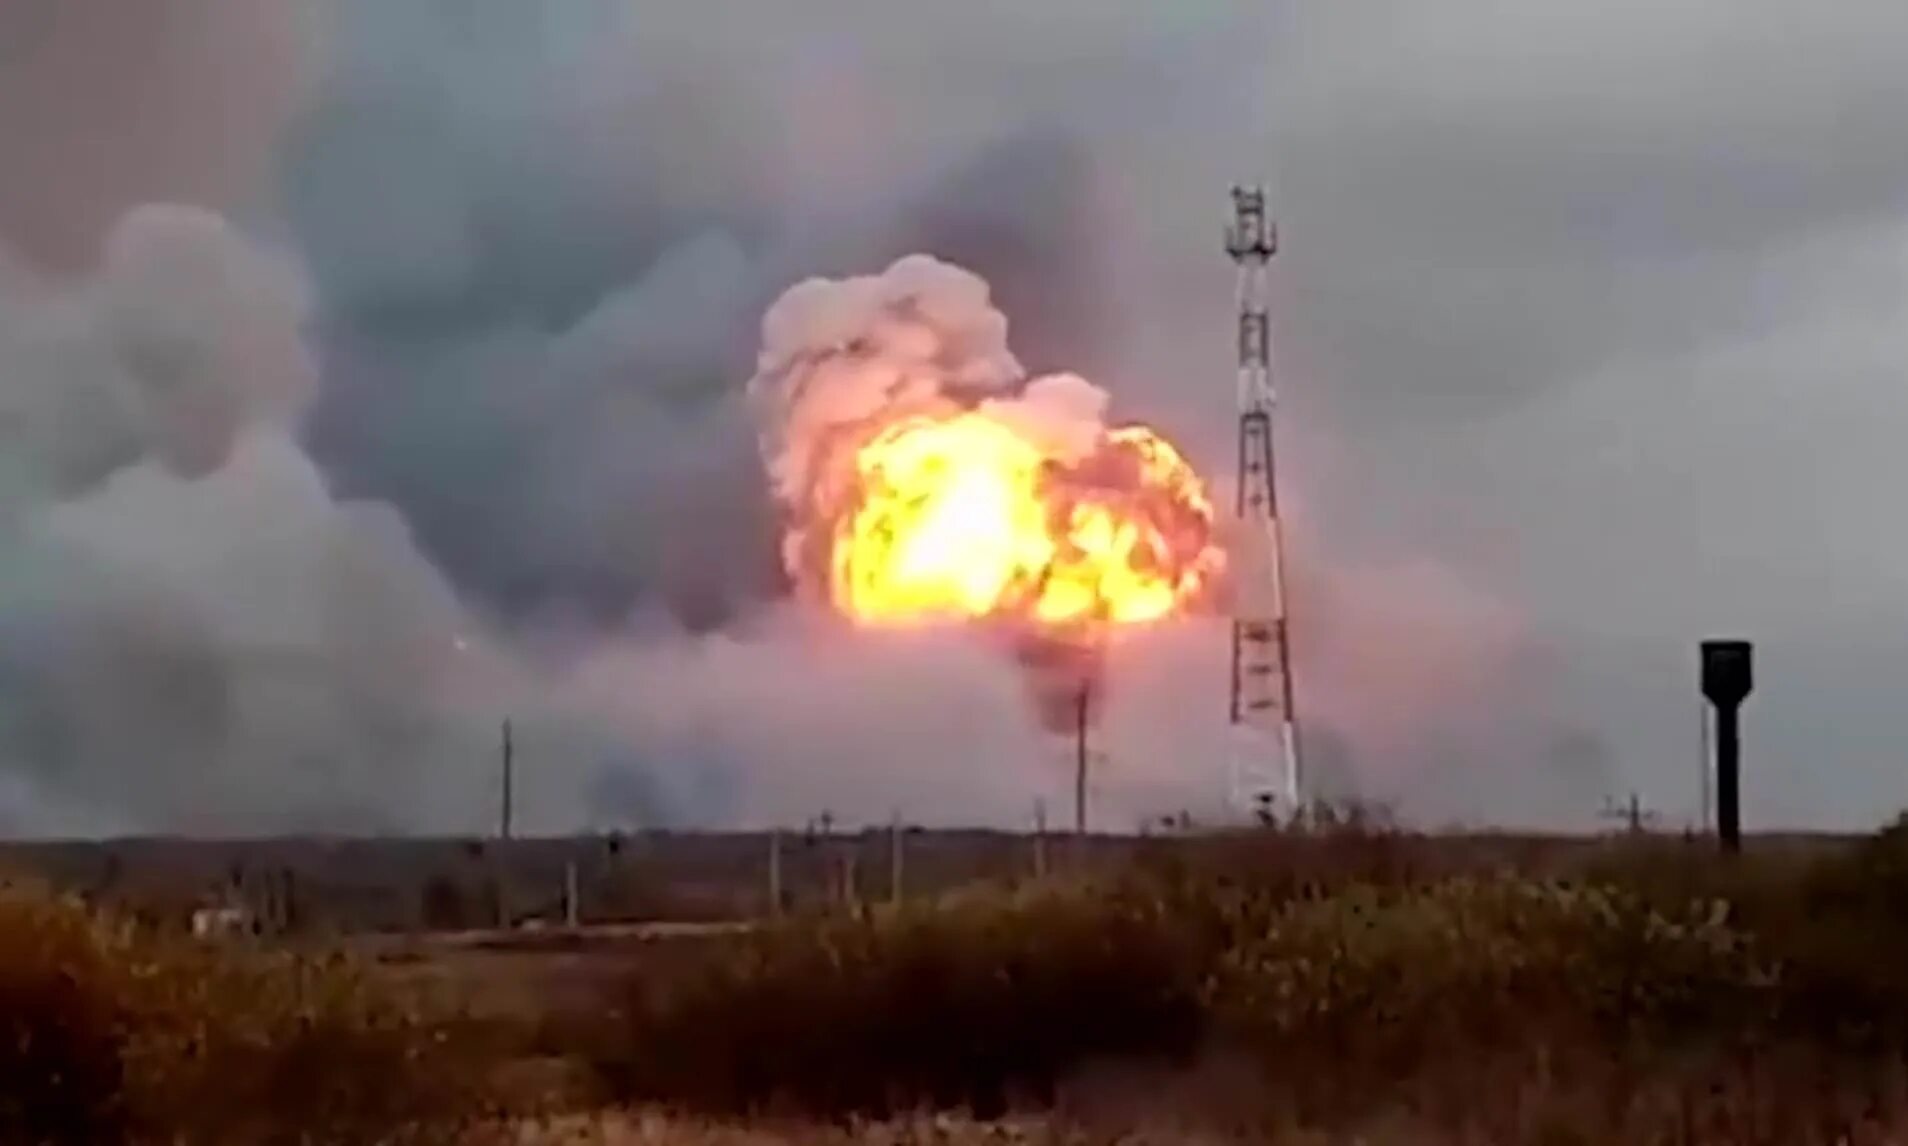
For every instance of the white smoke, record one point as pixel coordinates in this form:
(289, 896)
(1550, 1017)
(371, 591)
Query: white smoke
(207, 328)
(840, 355)
(188, 335)
(923, 337)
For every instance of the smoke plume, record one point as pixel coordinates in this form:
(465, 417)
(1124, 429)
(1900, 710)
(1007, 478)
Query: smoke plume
(194, 634)
(924, 475)
(840, 357)
(453, 423)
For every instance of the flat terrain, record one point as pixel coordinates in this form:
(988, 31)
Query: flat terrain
(1335, 985)
(354, 886)
(358, 885)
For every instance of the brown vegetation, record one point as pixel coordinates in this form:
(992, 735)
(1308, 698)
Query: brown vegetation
(1356, 984)
(1648, 990)
(111, 1033)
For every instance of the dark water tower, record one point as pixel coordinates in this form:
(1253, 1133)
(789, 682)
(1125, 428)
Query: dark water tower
(1728, 678)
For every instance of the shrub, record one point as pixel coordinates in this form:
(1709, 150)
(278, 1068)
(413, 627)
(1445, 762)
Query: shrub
(1840, 930)
(975, 1001)
(63, 1006)
(1397, 977)
(109, 1033)
(291, 1048)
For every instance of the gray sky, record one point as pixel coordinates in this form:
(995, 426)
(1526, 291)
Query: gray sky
(1589, 318)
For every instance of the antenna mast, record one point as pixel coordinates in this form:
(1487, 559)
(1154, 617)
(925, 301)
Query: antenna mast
(1265, 777)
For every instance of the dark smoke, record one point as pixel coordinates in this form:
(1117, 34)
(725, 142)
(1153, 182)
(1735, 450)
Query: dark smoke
(489, 453)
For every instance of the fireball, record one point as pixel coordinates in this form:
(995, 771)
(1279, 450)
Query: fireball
(965, 516)
(924, 476)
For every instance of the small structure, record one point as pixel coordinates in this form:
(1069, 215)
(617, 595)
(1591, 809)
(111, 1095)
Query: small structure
(1727, 679)
(224, 919)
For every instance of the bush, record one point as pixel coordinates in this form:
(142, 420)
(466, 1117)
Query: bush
(977, 1001)
(109, 1033)
(1402, 975)
(64, 1003)
(1840, 930)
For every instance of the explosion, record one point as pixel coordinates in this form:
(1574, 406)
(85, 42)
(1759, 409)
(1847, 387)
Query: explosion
(965, 517)
(925, 478)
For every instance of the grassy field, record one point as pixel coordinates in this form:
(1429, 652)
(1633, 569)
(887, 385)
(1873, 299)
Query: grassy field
(1351, 985)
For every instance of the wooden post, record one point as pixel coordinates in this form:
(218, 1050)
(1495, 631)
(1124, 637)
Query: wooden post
(571, 912)
(1080, 764)
(508, 793)
(897, 848)
(1040, 839)
(775, 871)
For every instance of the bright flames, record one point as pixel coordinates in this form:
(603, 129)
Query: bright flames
(963, 516)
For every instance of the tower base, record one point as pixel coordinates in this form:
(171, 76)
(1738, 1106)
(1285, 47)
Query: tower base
(1261, 782)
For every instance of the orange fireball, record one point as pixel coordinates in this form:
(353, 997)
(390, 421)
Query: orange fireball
(963, 516)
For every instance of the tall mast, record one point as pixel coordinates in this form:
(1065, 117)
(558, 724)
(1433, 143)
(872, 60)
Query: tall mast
(1265, 777)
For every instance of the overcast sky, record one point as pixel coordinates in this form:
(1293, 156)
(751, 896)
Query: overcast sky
(1591, 324)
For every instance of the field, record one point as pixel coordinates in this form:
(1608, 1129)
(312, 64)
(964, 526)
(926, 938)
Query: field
(1350, 984)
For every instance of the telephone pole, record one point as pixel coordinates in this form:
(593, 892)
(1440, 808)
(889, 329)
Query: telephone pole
(775, 872)
(897, 858)
(1080, 760)
(509, 783)
(1631, 813)
(1040, 839)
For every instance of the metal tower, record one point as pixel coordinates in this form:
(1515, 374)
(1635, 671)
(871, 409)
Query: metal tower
(1265, 777)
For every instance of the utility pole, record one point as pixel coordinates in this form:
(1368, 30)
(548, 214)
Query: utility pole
(572, 912)
(1040, 839)
(509, 784)
(1631, 813)
(896, 858)
(775, 871)
(1080, 760)
(499, 861)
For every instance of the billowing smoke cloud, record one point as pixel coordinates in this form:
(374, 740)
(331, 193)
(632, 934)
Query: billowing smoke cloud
(543, 246)
(540, 244)
(478, 197)
(921, 339)
(197, 635)
(1026, 509)
(187, 336)
(202, 636)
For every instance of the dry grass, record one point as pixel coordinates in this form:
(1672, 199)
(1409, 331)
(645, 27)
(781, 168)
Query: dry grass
(1357, 982)
(111, 1034)
(977, 1002)
(1358, 986)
